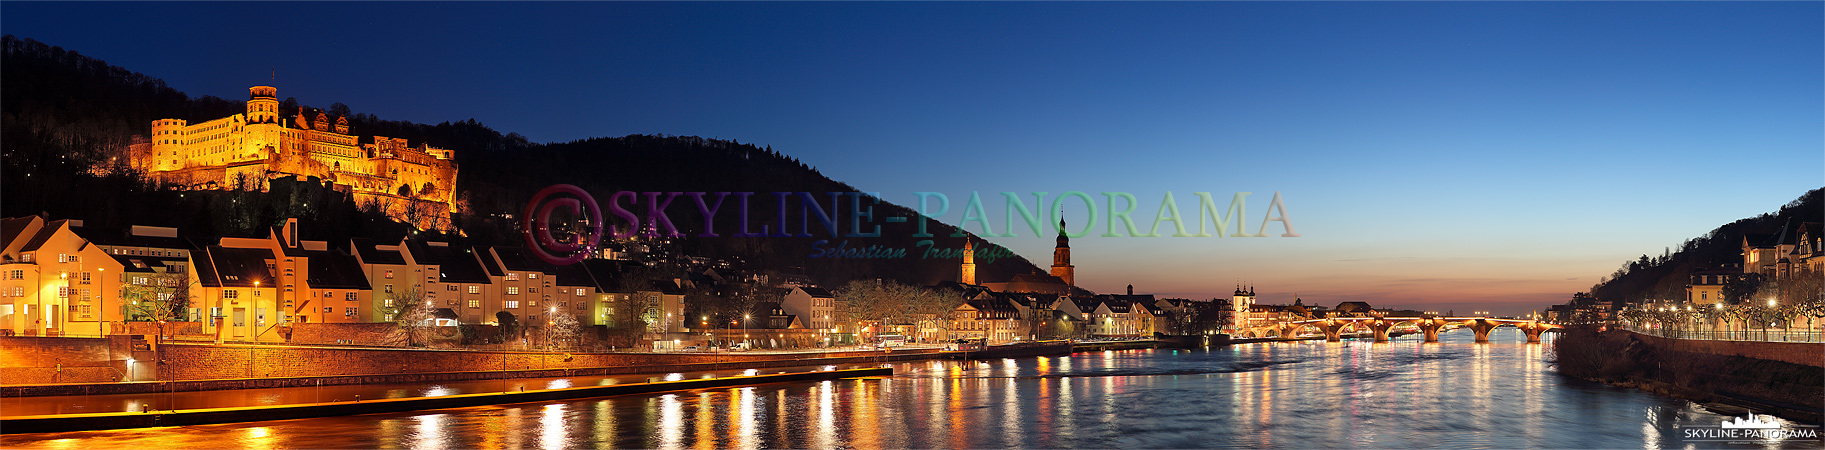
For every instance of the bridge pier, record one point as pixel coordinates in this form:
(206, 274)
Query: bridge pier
(1380, 329)
(1431, 328)
(1333, 331)
(1533, 330)
(1482, 328)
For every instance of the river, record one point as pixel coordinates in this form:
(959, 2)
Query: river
(1354, 394)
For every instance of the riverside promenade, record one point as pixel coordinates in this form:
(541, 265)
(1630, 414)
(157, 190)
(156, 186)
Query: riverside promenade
(355, 405)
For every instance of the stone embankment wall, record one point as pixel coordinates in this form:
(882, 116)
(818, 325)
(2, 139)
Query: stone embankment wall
(73, 366)
(1771, 377)
(37, 360)
(1808, 353)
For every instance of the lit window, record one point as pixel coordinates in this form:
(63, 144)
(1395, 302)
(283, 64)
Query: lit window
(473, 289)
(513, 290)
(475, 303)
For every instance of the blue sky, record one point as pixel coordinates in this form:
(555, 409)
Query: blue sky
(1434, 155)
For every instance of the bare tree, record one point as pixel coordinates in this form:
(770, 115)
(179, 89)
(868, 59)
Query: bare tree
(413, 315)
(564, 331)
(158, 297)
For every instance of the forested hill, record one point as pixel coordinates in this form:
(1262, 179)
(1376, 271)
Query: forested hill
(65, 113)
(1665, 276)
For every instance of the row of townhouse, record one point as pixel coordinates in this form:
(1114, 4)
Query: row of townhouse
(60, 278)
(1013, 316)
(987, 314)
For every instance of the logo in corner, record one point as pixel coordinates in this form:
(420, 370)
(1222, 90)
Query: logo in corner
(536, 223)
(1753, 422)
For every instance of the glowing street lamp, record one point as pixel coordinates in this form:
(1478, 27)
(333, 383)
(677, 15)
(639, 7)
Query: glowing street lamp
(256, 312)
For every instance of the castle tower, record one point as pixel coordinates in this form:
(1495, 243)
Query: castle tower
(167, 145)
(262, 104)
(1061, 256)
(969, 262)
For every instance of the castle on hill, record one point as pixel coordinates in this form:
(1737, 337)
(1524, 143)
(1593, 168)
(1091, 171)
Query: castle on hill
(243, 151)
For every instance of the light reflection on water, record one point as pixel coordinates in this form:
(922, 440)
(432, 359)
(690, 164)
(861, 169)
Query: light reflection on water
(1290, 395)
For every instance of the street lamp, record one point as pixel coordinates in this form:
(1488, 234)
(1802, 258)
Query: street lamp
(256, 312)
(744, 328)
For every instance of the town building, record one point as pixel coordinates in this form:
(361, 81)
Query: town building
(1793, 248)
(814, 306)
(54, 282)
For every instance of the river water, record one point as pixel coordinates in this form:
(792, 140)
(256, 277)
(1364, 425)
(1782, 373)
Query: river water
(1404, 394)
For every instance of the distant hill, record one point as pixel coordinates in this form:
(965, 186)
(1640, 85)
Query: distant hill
(66, 113)
(1665, 276)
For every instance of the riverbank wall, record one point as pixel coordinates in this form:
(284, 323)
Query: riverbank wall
(103, 421)
(1166, 342)
(1780, 378)
(56, 366)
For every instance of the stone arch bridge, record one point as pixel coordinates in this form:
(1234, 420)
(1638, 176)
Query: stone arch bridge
(1334, 327)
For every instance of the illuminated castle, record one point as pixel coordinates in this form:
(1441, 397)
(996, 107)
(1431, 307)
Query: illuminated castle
(242, 151)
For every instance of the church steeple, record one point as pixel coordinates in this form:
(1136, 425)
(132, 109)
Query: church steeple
(1061, 256)
(969, 262)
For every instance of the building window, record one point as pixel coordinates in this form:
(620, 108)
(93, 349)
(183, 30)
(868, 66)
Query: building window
(532, 275)
(475, 303)
(349, 296)
(511, 276)
(473, 289)
(18, 274)
(231, 294)
(511, 304)
(350, 312)
(579, 292)
(389, 288)
(329, 309)
(513, 290)
(389, 273)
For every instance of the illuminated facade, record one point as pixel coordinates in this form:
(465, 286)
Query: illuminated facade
(242, 151)
(53, 282)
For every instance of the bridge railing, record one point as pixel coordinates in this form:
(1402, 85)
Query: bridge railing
(1760, 335)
